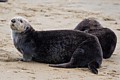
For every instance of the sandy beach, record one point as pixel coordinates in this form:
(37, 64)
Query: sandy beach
(56, 15)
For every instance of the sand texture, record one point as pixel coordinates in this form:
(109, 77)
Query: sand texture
(51, 15)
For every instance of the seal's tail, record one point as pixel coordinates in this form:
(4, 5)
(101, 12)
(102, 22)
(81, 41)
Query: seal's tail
(93, 65)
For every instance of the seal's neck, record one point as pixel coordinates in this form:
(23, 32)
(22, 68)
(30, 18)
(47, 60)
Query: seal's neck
(27, 32)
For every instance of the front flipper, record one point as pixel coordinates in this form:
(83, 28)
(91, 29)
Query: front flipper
(26, 58)
(27, 54)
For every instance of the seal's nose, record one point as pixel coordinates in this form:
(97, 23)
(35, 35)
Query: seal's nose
(13, 20)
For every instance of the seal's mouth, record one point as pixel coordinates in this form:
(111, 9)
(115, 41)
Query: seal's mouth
(12, 26)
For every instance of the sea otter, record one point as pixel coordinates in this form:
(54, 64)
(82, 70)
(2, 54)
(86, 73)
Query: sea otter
(106, 36)
(59, 48)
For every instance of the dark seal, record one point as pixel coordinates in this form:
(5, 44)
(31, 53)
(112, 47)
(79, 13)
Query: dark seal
(59, 48)
(106, 36)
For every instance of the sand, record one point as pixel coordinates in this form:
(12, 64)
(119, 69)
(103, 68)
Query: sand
(51, 15)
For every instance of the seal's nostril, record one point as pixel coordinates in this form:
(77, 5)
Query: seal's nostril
(13, 20)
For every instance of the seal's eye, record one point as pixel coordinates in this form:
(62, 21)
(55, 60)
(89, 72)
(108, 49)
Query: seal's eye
(21, 21)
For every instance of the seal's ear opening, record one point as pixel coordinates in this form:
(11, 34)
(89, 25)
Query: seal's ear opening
(27, 28)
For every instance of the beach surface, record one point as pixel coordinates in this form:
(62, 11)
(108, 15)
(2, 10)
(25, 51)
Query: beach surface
(56, 15)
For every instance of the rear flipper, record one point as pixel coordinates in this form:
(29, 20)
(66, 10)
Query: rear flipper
(92, 66)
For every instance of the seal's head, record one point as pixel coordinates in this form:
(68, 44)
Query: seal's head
(19, 24)
(88, 24)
